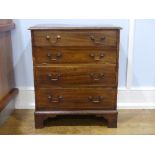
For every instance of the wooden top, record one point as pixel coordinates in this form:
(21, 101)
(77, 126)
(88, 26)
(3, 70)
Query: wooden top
(71, 27)
(6, 25)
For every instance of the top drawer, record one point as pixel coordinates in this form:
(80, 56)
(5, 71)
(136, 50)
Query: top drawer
(75, 38)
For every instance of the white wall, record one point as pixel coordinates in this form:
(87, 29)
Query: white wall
(144, 54)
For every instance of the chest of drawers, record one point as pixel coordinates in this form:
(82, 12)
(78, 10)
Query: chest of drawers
(75, 72)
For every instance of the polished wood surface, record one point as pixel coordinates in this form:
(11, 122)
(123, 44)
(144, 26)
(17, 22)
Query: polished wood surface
(59, 55)
(83, 98)
(9, 108)
(6, 98)
(6, 25)
(7, 83)
(57, 75)
(73, 27)
(6, 68)
(130, 122)
(75, 69)
(75, 38)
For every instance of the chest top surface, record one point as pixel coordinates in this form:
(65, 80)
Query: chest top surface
(72, 27)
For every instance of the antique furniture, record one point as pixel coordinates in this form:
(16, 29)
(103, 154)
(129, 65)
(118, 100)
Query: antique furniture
(7, 85)
(75, 71)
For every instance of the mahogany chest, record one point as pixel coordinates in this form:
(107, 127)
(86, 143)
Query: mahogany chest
(75, 71)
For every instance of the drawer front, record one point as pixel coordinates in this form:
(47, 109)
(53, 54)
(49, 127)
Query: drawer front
(49, 55)
(75, 38)
(75, 98)
(61, 75)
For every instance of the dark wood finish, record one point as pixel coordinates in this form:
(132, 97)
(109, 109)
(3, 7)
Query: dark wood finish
(6, 25)
(62, 75)
(110, 116)
(75, 72)
(82, 98)
(48, 55)
(75, 38)
(5, 100)
(7, 111)
(7, 84)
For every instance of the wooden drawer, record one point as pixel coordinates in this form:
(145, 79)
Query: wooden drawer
(75, 38)
(49, 55)
(75, 98)
(61, 75)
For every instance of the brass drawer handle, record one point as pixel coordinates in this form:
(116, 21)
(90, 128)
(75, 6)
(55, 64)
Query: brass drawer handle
(50, 39)
(95, 99)
(55, 99)
(97, 77)
(97, 58)
(54, 77)
(57, 56)
(97, 40)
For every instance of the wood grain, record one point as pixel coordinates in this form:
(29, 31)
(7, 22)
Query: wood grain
(100, 99)
(59, 55)
(65, 75)
(6, 25)
(130, 122)
(75, 69)
(9, 96)
(7, 81)
(6, 68)
(75, 38)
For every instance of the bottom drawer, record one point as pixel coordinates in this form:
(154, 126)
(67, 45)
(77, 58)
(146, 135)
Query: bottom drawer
(75, 98)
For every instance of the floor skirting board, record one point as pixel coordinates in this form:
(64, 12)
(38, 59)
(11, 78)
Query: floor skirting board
(127, 99)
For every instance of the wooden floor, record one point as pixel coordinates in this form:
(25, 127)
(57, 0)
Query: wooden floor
(129, 122)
